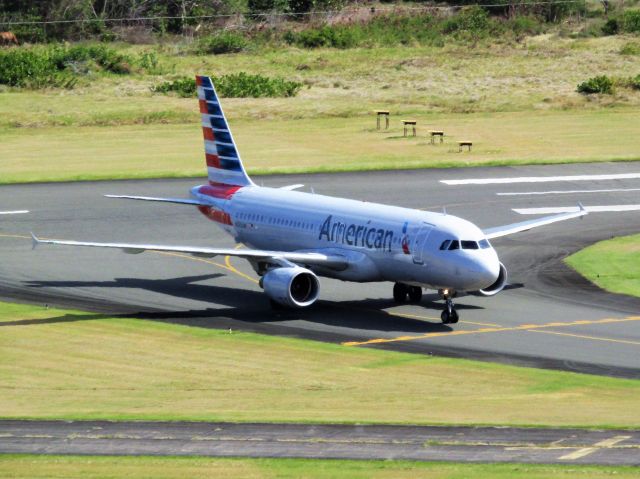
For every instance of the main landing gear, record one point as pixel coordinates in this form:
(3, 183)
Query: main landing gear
(449, 315)
(404, 292)
(401, 291)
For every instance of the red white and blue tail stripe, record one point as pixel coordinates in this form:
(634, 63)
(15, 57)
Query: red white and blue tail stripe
(223, 160)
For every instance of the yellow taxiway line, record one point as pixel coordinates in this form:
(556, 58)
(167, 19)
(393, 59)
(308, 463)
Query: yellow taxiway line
(522, 327)
(492, 328)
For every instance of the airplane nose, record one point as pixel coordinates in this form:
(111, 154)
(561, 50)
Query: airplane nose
(488, 270)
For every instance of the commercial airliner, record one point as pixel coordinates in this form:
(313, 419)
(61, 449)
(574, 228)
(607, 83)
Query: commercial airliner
(294, 237)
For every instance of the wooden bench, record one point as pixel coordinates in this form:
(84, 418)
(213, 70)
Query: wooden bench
(380, 114)
(435, 133)
(409, 123)
(464, 143)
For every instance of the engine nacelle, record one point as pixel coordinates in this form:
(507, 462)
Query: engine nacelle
(499, 284)
(294, 287)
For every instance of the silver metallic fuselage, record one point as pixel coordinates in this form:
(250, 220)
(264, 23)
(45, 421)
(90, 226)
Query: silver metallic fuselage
(381, 242)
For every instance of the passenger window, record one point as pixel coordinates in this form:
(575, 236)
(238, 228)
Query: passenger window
(469, 245)
(445, 244)
(455, 244)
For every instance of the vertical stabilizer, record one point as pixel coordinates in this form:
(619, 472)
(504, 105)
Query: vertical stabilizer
(223, 160)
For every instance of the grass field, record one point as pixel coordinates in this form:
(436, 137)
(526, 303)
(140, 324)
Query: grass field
(53, 467)
(613, 265)
(517, 103)
(324, 144)
(65, 364)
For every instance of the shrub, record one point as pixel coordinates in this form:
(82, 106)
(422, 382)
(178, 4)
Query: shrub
(104, 57)
(631, 21)
(327, 36)
(525, 25)
(235, 85)
(184, 87)
(225, 42)
(242, 85)
(149, 62)
(630, 48)
(611, 27)
(634, 82)
(57, 66)
(599, 84)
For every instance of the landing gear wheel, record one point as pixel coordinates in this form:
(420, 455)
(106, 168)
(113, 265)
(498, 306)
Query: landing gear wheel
(415, 294)
(449, 315)
(400, 292)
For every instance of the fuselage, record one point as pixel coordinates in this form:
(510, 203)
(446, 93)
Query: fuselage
(381, 242)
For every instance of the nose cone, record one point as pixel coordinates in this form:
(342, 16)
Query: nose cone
(486, 269)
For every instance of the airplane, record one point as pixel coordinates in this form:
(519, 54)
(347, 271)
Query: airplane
(14, 212)
(295, 236)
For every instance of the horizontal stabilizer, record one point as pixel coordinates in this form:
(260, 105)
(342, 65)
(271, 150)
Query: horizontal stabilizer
(499, 231)
(181, 201)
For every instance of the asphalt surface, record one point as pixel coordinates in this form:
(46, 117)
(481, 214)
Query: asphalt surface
(549, 316)
(422, 443)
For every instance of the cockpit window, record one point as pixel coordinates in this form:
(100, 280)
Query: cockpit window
(484, 244)
(469, 245)
(445, 244)
(455, 244)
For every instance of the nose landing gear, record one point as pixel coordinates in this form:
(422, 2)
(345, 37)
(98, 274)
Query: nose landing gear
(449, 314)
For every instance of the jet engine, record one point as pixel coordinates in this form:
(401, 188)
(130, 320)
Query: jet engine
(294, 287)
(499, 284)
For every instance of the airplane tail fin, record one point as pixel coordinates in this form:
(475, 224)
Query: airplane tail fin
(223, 160)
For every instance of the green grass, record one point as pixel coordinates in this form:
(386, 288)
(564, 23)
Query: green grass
(323, 144)
(613, 265)
(74, 365)
(98, 467)
(516, 102)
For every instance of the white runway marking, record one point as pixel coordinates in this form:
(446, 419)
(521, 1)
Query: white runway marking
(17, 212)
(539, 179)
(566, 192)
(570, 209)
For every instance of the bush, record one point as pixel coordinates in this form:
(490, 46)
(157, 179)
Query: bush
(599, 84)
(525, 25)
(235, 85)
(326, 36)
(57, 66)
(611, 27)
(634, 82)
(630, 48)
(631, 21)
(104, 57)
(225, 42)
(242, 85)
(184, 87)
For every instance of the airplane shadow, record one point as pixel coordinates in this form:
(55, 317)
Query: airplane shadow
(252, 307)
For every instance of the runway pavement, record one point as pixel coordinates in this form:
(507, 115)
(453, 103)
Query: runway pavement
(548, 317)
(421, 443)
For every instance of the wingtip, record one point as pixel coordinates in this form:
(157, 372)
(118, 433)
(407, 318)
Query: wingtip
(34, 241)
(582, 208)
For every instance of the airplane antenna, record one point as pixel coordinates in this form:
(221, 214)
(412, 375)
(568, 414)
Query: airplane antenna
(313, 191)
(444, 210)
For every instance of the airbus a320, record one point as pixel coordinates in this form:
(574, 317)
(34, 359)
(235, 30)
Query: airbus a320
(293, 237)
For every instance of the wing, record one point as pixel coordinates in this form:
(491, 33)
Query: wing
(499, 231)
(281, 258)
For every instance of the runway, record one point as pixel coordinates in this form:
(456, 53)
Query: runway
(420, 443)
(549, 316)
